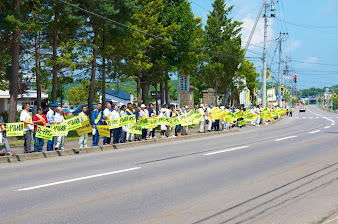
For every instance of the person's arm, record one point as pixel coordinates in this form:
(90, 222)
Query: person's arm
(22, 119)
(36, 120)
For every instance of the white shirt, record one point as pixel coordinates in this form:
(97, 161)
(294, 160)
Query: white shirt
(201, 111)
(59, 117)
(25, 116)
(107, 113)
(50, 117)
(142, 113)
(115, 114)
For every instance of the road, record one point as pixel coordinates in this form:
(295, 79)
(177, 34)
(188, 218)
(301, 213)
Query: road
(281, 173)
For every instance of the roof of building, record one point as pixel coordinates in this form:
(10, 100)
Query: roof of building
(119, 94)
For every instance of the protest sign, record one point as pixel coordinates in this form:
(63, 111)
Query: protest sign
(241, 123)
(174, 121)
(73, 123)
(85, 128)
(59, 129)
(103, 130)
(45, 133)
(163, 120)
(113, 123)
(124, 121)
(132, 119)
(14, 129)
(136, 129)
(143, 122)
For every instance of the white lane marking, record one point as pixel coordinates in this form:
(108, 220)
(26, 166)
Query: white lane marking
(327, 127)
(78, 179)
(227, 150)
(281, 139)
(317, 117)
(296, 117)
(312, 132)
(310, 117)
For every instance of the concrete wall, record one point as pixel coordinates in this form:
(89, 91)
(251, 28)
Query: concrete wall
(209, 96)
(187, 98)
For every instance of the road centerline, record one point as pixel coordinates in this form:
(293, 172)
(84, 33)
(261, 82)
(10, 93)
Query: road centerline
(281, 139)
(77, 179)
(227, 150)
(312, 132)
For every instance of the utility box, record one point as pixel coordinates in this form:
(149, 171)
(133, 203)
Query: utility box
(209, 96)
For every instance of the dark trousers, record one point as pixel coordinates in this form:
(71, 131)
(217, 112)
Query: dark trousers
(116, 135)
(38, 143)
(28, 141)
(123, 137)
(216, 125)
(144, 133)
(177, 129)
(107, 140)
(152, 132)
(50, 144)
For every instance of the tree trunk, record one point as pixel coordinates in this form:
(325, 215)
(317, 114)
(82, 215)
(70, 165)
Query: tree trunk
(216, 100)
(145, 92)
(14, 90)
(162, 91)
(55, 45)
(226, 97)
(92, 78)
(138, 89)
(167, 92)
(103, 71)
(156, 100)
(38, 70)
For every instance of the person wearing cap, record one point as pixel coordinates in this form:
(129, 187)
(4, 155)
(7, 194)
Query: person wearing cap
(96, 120)
(59, 119)
(107, 115)
(162, 113)
(51, 121)
(144, 114)
(201, 124)
(83, 138)
(26, 118)
(117, 131)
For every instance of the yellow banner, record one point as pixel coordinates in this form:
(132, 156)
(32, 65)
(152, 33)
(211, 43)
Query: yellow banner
(85, 128)
(103, 130)
(73, 123)
(113, 123)
(45, 133)
(14, 129)
(136, 129)
(59, 129)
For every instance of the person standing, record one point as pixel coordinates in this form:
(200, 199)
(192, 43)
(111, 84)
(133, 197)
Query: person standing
(152, 113)
(117, 131)
(83, 138)
(2, 136)
(26, 118)
(96, 120)
(107, 116)
(201, 124)
(40, 120)
(51, 121)
(124, 128)
(129, 112)
(258, 112)
(138, 116)
(162, 113)
(59, 119)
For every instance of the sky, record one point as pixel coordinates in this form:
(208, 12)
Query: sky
(311, 44)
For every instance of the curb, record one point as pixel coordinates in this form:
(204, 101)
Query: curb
(77, 151)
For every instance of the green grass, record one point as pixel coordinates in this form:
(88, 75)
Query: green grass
(322, 220)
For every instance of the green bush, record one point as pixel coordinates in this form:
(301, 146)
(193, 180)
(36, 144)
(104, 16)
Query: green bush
(4, 114)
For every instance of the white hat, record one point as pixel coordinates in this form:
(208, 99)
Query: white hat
(201, 105)
(143, 105)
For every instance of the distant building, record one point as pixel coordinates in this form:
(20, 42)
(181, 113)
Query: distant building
(117, 97)
(29, 97)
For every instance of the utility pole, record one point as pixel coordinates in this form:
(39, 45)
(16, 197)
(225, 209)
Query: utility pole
(264, 92)
(279, 70)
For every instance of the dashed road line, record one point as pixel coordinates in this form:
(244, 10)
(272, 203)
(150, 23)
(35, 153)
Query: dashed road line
(312, 132)
(281, 139)
(227, 150)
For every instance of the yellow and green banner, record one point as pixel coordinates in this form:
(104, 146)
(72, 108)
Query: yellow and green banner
(124, 121)
(104, 130)
(14, 129)
(59, 129)
(163, 120)
(241, 123)
(132, 119)
(45, 133)
(135, 129)
(143, 122)
(113, 123)
(73, 123)
(85, 128)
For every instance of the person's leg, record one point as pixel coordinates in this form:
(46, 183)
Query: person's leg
(36, 142)
(81, 141)
(201, 126)
(85, 140)
(28, 141)
(210, 124)
(41, 144)
(7, 148)
(58, 142)
(50, 144)
(63, 141)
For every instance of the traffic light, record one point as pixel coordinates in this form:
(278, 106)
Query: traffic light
(295, 78)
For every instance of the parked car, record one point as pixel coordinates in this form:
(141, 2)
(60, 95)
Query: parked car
(301, 109)
(66, 111)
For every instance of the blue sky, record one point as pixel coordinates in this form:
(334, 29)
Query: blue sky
(312, 42)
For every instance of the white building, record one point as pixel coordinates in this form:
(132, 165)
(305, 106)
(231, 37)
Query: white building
(117, 97)
(29, 97)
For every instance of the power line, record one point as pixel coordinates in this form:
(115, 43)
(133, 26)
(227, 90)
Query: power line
(314, 63)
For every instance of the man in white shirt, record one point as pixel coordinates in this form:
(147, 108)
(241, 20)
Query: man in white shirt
(26, 118)
(51, 121)
(144, 114)
(116, 133)
(201, 111)
(60, 140)
(124, 129)
(107, 115)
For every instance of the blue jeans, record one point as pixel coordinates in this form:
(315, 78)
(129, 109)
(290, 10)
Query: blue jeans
(96, 138)
(152, 133)
(50, 144)
(177, 129)
(38, 143)
(116, 135)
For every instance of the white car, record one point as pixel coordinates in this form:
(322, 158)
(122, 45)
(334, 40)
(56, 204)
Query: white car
(302, 109)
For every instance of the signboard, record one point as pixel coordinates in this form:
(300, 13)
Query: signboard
(155, 95)
(135, 129)
(59, 129)
(73, 123)
(103, 130)
(45, 133)
(14, 129)
(85, 128)
(113, 123)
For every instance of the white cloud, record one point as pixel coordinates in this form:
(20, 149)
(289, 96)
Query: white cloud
(294, 44)
(311, 60)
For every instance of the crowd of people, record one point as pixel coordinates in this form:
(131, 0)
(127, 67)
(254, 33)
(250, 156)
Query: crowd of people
(53, 115)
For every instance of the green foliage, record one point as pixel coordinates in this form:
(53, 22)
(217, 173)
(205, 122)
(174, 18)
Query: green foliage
(79, 94)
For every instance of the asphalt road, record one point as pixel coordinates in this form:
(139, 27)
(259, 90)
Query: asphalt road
(281, 173)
